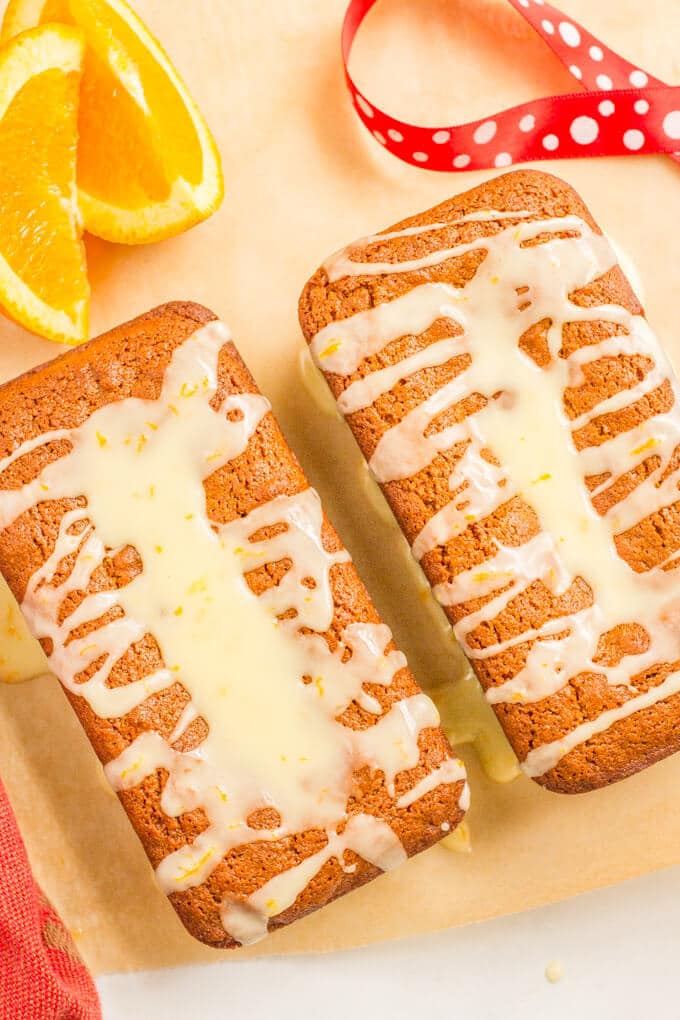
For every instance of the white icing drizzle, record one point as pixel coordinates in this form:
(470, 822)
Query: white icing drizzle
(256, 668)
(341, 263)
(481, 488)
(364, 834)
(365, 391)
(188, 716)
(450, 771)
(391, 745)
(523, 421)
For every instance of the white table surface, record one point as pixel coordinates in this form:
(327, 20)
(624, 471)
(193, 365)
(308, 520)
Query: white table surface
(618, 948)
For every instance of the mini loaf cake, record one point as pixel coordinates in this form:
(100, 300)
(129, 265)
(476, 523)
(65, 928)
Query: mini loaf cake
(264, 735)
(498, 374)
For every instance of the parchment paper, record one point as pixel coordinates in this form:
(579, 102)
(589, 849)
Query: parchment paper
(303, 178)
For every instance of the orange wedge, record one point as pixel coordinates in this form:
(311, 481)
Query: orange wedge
(148, 167)
(43, 277)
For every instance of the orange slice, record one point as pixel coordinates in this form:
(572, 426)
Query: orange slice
(148, 167)
(43, 277)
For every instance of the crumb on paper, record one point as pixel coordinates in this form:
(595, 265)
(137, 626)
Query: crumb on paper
(554, 972)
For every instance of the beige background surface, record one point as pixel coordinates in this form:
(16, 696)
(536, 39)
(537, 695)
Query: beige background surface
(303, 178)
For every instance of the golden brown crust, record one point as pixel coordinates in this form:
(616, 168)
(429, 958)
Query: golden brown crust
(646, 736)
(130, 361)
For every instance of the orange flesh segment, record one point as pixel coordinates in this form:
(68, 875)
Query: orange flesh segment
(127, 158)
(38, 234)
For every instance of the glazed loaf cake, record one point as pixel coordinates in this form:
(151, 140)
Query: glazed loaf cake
(265, 737)
(499, 376)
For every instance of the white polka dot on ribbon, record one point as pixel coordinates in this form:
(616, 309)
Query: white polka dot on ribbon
(623, 109)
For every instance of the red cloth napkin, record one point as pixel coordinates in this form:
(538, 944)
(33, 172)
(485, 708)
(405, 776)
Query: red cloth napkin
(41, 975)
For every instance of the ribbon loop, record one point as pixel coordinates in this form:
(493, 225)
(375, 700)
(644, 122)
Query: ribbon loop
(626, 111)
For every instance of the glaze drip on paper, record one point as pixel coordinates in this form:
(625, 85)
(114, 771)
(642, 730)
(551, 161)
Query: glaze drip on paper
(257, 669)
(21, 657)
(519, 443)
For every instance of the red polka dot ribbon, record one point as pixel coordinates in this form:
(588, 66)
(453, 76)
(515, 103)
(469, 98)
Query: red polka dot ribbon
(624, 111)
